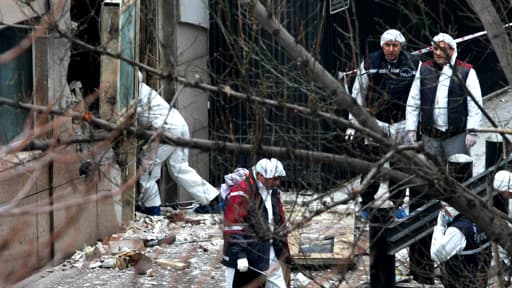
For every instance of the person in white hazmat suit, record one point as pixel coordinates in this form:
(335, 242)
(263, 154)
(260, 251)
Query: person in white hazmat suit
(461, 248)
(153, 112)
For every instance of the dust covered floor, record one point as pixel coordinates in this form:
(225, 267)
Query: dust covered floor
(135, 258)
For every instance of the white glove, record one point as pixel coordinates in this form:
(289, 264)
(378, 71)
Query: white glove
(411, 136)
(382, 196)
(349, 134)
(471, 140)
(242, 265)
(441, 222)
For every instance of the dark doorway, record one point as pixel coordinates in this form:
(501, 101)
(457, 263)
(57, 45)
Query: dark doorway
(84, 65)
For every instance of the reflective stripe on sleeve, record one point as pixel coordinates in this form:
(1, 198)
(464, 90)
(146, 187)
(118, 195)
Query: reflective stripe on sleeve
(234, 228)
(237, 193)
(479, 249)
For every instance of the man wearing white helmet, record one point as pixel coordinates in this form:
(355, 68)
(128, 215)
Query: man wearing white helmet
(502, 185)
(439, 106)
(255, 240)
(381, 86)
(461, 248)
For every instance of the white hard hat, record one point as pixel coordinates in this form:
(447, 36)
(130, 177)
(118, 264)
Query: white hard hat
(270, 168)
(503, 181)
(392, 35)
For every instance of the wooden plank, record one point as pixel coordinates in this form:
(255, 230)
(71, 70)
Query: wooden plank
(109, 69)
(116, 100)
(172, 264)
(18, 233)
(128, 49)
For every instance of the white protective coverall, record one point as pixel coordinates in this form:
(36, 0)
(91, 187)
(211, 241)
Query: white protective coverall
(154, 112)
(446, 242)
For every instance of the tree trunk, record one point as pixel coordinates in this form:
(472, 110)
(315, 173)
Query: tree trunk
(496, 33)
(167, 23)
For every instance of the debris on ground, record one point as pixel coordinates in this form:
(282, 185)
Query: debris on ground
(184, 249)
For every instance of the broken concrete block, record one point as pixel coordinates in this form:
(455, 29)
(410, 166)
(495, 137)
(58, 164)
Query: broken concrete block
(126, 245)
(172, 264)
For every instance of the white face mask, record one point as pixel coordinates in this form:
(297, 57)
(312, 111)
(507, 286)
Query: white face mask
(446, 218)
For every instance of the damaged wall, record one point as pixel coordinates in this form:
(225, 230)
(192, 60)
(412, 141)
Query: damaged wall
(36, 185)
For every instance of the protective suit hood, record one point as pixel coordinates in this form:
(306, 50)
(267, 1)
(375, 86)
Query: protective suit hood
(443, 37)
(392, 35)
(503, 181)
(270, 168)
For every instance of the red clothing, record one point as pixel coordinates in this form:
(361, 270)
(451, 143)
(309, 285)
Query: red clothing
(247, 233)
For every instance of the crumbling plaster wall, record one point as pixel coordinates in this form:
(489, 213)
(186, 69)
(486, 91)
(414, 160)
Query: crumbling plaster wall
(41, 235)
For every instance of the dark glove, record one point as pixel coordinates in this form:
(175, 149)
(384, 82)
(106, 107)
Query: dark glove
(86, 169)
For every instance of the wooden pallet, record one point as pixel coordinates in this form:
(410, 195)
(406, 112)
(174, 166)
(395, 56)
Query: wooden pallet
(327, 239)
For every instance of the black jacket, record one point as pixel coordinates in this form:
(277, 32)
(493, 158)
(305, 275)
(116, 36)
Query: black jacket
(389, 84)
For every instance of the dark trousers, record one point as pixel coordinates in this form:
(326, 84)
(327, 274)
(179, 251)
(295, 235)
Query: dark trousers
(153, 211)
(459, 272)
(251, 278)
(374, 153)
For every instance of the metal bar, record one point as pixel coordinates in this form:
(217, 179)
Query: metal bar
(412, 223)
(393, 249)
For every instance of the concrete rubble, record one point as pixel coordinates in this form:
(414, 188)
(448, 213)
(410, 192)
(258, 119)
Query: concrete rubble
(184, 249)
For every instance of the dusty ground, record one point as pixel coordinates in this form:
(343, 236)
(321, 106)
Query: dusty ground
(198, 244)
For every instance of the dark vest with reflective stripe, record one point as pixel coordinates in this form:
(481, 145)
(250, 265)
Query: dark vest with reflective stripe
(457, 96)
(389, 84)
(462, 269)
(475, 237)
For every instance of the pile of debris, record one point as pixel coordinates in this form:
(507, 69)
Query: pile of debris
(184, 249)
(128, 249)
(181, 248)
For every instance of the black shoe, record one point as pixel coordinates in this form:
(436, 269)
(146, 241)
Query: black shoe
(216, 206)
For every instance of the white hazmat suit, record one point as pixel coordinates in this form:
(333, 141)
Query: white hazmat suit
(154, 112)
